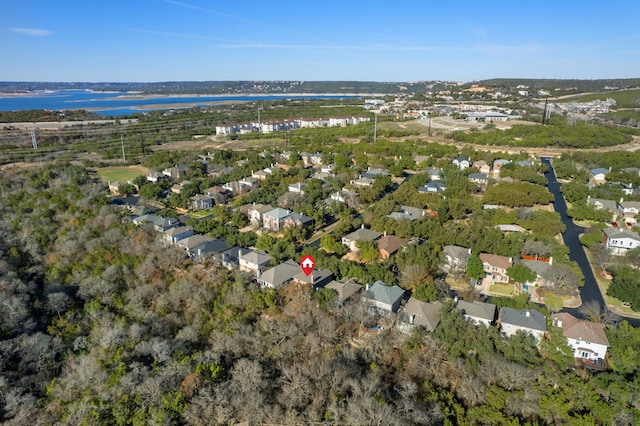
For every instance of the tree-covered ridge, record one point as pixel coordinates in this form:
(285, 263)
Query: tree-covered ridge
(582, 135)
(101, 324)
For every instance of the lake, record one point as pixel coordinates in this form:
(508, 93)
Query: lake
(111, 103)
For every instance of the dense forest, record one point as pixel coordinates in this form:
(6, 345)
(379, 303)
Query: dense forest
(101, 324)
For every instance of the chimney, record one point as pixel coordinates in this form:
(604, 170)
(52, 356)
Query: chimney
(385, 233)
(411, 318)
(527, 314)
(362, 226)
(550, 260)
(455, 301)
(368, 287)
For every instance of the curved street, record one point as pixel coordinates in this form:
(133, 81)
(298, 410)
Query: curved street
(590, 291)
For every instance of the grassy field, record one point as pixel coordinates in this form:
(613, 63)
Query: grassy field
(502, 289)
(121, 174)
(201, 213)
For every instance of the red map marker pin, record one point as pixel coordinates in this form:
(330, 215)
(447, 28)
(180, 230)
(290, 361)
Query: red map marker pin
(307, 263)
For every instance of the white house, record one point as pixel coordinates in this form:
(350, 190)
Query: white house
(620, 241)
(587, 339)
(462, 162)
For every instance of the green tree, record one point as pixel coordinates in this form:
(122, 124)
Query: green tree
(475, 269)
(521, 273)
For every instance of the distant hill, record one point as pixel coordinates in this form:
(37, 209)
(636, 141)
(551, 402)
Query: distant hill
(351, 87)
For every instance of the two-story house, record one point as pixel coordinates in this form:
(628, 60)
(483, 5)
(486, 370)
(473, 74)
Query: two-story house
(417, 313)
(620, 241)
(462, 162)
(254, 261)
(587, 339)
(278, 276)
(629, 210)
(495, 267)
(525, 320)
(383, 297)
(273, 220)
(455, 259)
(201, 202)
(477, 312)
(350, 240)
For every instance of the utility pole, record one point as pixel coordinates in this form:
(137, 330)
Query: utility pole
(124, 159)
(375, 126)
(34, 142)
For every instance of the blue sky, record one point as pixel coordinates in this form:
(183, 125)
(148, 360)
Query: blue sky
(168, 40)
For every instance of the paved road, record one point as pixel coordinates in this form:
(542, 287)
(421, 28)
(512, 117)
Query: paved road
(590, 291)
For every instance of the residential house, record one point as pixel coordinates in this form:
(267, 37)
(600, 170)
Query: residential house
(388, 245)
(318, 278)
(201, 202)
(524, 163)
(477, 312)
(230, 258)
(620, 241)
(383, 297)
(249, 183)
(374, 173)
(218, 193)
(176, 172)
(350, 240)
(419, 159)
(159, 223)
(481, 179)
(173, 235)
(455, 259)
(154, 177)
(433, 187)
(344, 289)
(525, 320)
(629, 210)
(540, 268)
(482, 167)
(462, 162)
(297, 219)
(329, 168)
(417, 313)
(254, 261)
(217, 170)
(273, 220)
(603, 205)
(311, 159)
(434, 173)
(598, 175)
(235, 187)
(507, 228)
(350, 198)
(256, 212)
(495, 267)
(408, 213)
(195, 245)
(297, 188)
(278, 276)
(587, 339)
(498, 164)
(363, 182)
(260, 175)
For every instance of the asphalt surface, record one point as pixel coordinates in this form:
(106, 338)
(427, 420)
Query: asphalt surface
(590, 292)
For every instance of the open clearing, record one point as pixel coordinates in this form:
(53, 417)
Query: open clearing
(122, 174)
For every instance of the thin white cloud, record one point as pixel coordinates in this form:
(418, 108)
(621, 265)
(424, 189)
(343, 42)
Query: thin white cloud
(31, 31)
(176, 35)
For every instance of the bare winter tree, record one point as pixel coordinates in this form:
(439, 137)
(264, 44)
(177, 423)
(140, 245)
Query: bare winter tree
(562, 278)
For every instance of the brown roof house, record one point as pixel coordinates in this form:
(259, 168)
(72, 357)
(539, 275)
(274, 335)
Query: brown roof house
(419, 314)
(587, 339)
(495, 267)
(389, 244)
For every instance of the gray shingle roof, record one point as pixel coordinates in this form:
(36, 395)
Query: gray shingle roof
(381, 292)
(486, 311)
(526, 318)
